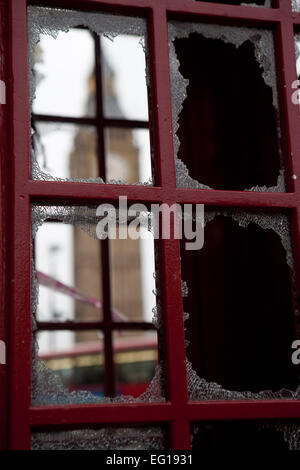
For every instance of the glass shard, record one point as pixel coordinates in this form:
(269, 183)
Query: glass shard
(106, 438)
(52, 21)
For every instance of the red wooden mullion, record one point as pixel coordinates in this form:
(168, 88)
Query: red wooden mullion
(170, 268)
(80, 416)
(76, 415)
(4, 212)
(291, 120)
(20, 233)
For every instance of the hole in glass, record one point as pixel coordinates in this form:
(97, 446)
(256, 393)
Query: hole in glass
(242, 320)
(119, 437)
(228, 125)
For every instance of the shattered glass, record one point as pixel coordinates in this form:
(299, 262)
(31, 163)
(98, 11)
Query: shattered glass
(43, 22)
(246, 435)
(106, 438)
(263, 46)
(198, 387)
(47, 387)
(51, 21)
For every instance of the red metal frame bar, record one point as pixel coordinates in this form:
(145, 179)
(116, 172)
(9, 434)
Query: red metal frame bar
(70, 416)
(4, 214)
(177, 412)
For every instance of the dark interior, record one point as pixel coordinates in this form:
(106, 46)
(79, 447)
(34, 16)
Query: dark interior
(241, 325)
(238, 435)
(228, 125)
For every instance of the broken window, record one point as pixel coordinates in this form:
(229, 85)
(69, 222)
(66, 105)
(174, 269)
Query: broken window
(88, 123)
(93, 301)
(242, 308)
(225, 108)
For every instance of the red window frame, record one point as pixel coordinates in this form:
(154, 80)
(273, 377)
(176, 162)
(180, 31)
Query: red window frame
(18, 191)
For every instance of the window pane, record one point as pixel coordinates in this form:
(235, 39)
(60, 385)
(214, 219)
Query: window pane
(66, 151)
(68, 267)
(135, 357)
(76, 359)
(106, 438)
(242, 308)
(64, 67)
(128, 155)
(225, 111)
(124, 78)
(68, 245)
